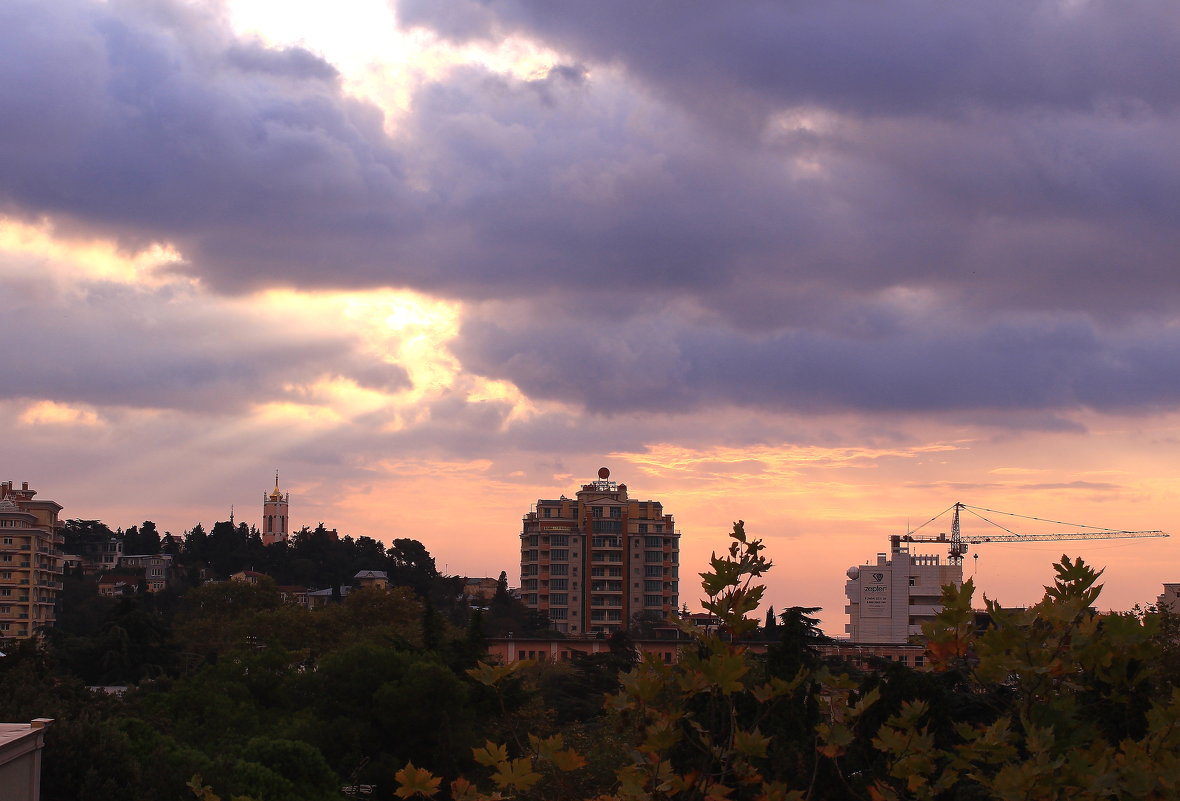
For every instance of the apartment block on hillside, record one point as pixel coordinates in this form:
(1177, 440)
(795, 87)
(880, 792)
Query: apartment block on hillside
(30, 562)
(598, 561)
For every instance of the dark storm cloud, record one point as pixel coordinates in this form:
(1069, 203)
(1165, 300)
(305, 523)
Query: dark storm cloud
(109, 345)
(910, 56)
(658, 365)
(795, 174)
(125, 119)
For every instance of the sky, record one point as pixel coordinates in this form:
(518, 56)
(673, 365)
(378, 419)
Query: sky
(825, 267)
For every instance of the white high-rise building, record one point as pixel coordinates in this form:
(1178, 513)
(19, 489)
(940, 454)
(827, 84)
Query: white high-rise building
(888, 601)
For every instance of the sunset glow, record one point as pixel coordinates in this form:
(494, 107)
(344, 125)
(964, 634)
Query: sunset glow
(434, 261)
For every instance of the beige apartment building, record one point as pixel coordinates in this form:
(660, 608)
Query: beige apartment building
(1170, 598)
(20, 759)
(890, 600)
(30, 562)
(595, 562)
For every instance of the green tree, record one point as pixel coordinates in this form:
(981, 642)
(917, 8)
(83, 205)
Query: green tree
(219, 615)
(1085, 711)
(411, 565)
(144, 539)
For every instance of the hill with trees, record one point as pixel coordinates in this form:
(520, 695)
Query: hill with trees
(389, 690)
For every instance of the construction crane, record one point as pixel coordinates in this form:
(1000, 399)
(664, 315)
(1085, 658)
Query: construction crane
(958, 543)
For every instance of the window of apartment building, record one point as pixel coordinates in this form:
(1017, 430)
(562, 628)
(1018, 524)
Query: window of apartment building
(652, 571)
(4, 610)
(607, 527)
(4, 627)
(530, 556)
(531, 598)
(659, 528)
(613, 615)
(547, 511)
(598, 511)
(616, 512)
(559, 555)
(558, 614)
(653, 542)
(597, 571)
(558, 584)
(653, 586)
(653, 556)
(559, 570)
(643, 528)
(8, 540)
(559, 539)
(5, 593)
(529, 584)
(559, 598)
(6, 557)
(653, 600)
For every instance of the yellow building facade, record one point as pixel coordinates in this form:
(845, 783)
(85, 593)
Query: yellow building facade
(30, 562)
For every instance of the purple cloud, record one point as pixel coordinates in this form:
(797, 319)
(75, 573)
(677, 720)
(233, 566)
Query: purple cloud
(781, 206)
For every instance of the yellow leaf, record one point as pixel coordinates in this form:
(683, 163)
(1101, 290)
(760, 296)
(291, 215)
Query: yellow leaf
(750, 743)
(490, 754)
(518, 773)
(414, 781)
(569, 759)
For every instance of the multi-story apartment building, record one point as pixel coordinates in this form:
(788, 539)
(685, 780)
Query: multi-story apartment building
(600, 560)
(100, 554)
(1170, 598)
(890, 600)
(30, 562)
(158, 570)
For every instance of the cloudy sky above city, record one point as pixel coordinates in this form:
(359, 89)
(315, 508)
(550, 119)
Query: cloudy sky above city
(827, 267)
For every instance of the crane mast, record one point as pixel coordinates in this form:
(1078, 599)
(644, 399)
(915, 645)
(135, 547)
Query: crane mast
(957, 543)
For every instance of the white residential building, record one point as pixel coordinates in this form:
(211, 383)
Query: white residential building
(888, 601)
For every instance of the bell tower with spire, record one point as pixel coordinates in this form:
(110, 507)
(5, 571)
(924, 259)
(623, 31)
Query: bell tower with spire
(276, 522)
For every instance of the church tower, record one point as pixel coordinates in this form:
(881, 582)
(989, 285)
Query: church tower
(275, 521)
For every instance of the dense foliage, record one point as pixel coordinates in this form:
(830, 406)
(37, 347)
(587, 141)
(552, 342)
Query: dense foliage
(266, 700)
(228, 680)
(1052, 702)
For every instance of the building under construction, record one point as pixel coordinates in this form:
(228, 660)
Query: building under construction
(889, 600)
